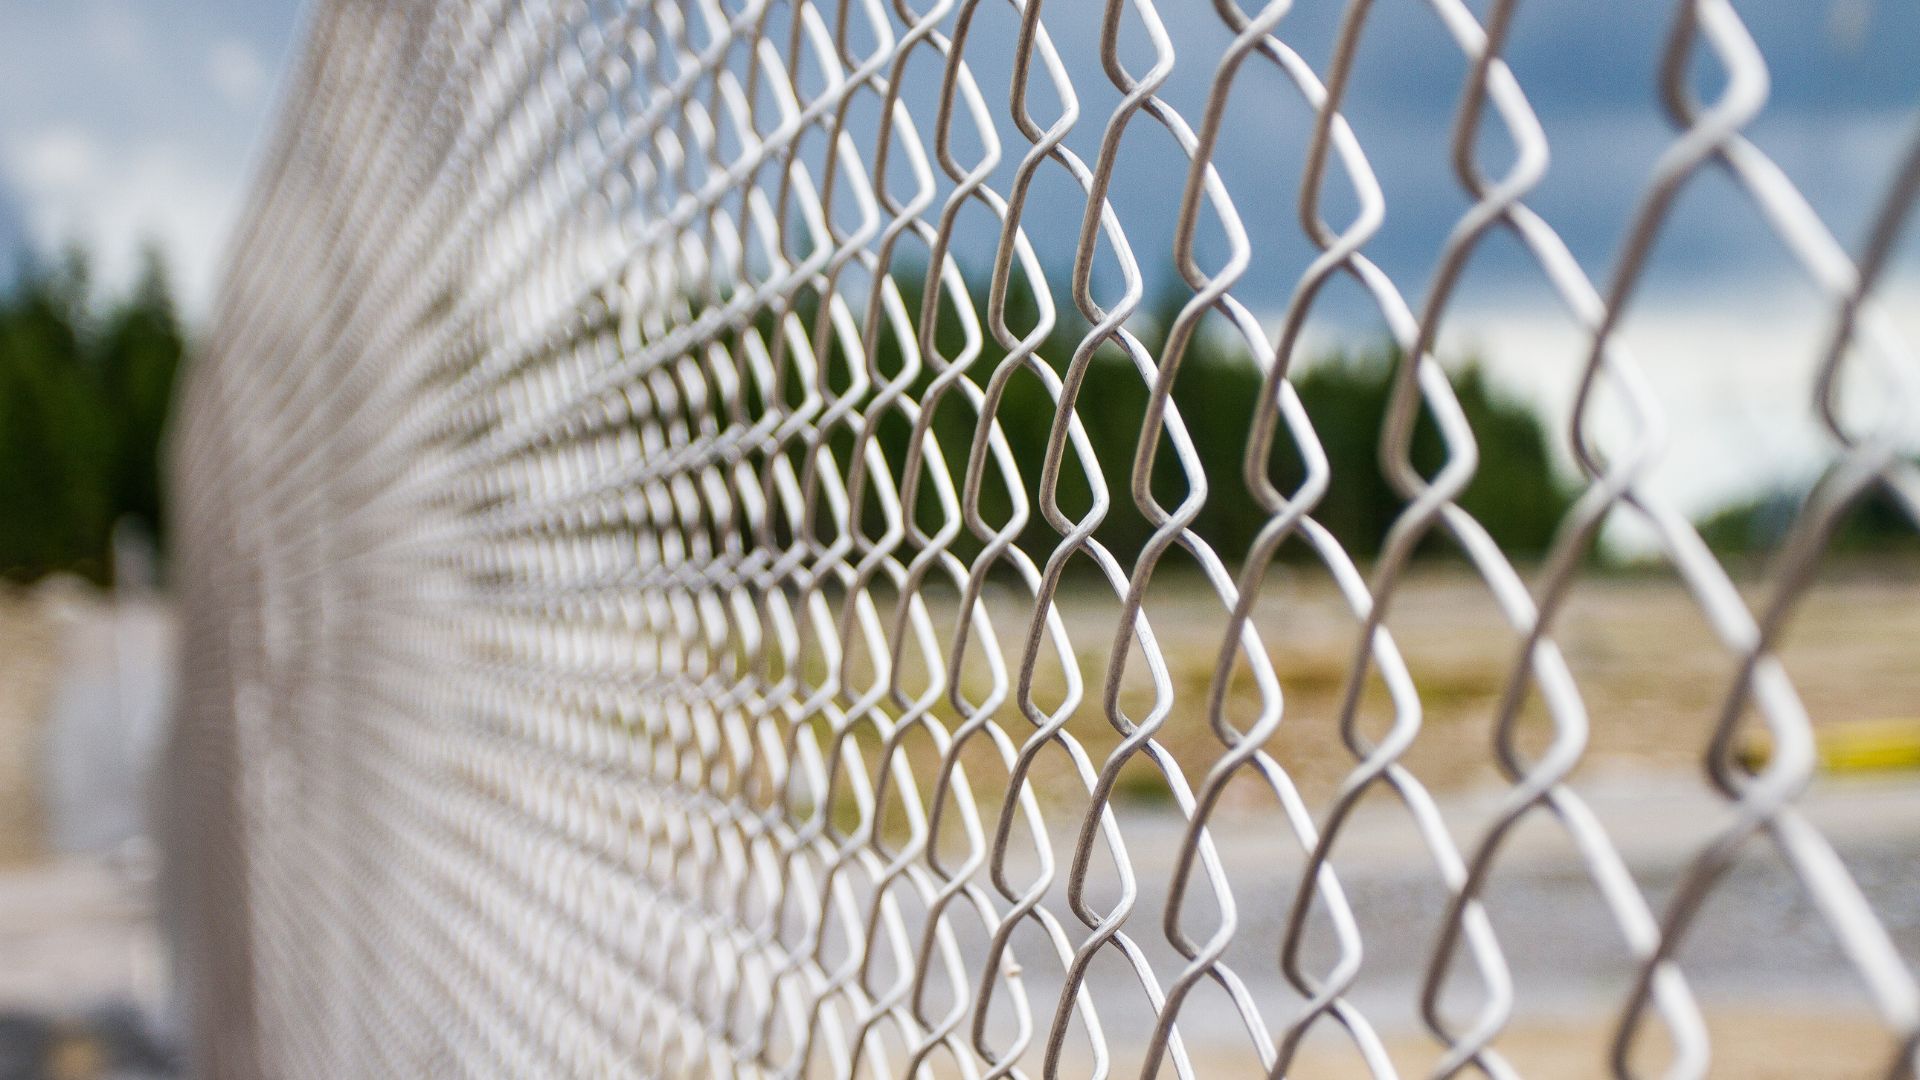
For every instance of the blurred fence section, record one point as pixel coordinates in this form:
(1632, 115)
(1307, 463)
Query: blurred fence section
(658, 601)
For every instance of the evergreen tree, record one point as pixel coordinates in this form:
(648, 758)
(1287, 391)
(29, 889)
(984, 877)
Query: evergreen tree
(82, 403)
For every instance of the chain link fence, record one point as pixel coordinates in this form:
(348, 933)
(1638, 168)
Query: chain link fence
(662, 600)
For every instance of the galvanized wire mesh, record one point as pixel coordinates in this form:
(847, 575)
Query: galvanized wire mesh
(601, 664)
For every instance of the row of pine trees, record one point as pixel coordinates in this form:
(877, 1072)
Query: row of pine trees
(85, 383)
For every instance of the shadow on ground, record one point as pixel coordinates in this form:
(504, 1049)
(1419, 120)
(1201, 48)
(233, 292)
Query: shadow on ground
(112, 1042)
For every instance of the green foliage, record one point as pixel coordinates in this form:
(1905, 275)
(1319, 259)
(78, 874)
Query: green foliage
(1515, 491)
(1875, 526)
(83, 397)
(84, 393)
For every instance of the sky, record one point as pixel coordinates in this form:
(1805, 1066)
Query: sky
(128, 121)
(1844, 86)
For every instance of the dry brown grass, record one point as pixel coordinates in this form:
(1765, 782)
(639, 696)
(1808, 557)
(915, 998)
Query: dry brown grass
(1747, 1044)
(27, 653)
(1651, 674)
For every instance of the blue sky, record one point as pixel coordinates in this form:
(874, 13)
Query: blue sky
(1845, 82)
(127, 120)
(131, 118)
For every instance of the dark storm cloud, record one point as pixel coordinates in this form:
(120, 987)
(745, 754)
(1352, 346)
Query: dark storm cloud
(1843, 87)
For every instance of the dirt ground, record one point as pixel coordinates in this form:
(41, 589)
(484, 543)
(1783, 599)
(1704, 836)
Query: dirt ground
(79, 932)
(1778, 999)
(1748, 1044)
(1651, 675)
(27, 655)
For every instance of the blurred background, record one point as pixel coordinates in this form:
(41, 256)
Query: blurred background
(126, 129)
(126, 133)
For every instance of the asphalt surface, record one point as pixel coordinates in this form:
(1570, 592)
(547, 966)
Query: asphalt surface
(1779, 996)
(81, 969)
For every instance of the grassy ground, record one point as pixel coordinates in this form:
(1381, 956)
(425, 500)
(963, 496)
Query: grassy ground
(27, 655)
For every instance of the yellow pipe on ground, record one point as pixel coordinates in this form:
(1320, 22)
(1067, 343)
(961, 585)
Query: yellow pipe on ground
(1879, 745)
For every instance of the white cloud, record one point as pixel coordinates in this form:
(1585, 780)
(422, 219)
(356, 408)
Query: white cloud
(139, 128)
(1734, 375)
(236, 72)
(114, 199)
(62, 157)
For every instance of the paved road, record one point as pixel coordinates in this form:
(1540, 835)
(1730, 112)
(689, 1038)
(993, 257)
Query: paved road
(1780, 999)
(1782, 1002)
(81, 963)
